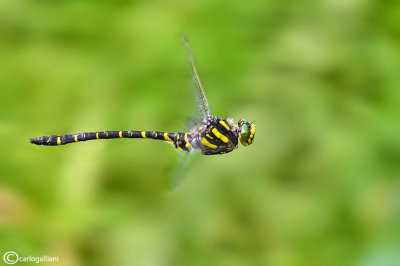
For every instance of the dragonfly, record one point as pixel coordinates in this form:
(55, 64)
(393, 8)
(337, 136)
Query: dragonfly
(212, 135)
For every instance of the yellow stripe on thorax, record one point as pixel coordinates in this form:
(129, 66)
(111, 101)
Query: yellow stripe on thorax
(144, 134)
(76, 138)
(224, 124)
(97, 135)
(219, 135)
(120, 134)
(58, 140)
(205, 142)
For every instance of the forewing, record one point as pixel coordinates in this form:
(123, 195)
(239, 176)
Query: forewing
(201, 97)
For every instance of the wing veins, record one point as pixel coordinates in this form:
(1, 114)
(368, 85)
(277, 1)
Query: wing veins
(204, 107)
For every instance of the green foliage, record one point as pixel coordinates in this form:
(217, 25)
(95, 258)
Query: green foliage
(319, 186)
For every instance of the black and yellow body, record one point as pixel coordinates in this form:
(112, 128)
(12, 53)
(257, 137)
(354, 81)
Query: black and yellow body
(179, 140)
(213, 136)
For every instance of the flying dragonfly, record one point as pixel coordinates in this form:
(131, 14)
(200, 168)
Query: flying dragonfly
(213, 135)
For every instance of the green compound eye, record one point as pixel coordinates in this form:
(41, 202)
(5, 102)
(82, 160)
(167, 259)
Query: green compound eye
(247, 132)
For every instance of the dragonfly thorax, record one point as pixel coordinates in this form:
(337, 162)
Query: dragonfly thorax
(215, 136)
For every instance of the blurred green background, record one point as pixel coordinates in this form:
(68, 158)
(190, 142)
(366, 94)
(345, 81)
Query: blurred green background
(319, 186)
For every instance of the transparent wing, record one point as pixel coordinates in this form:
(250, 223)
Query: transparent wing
(186, 157)
(203, 103)
(181, 170)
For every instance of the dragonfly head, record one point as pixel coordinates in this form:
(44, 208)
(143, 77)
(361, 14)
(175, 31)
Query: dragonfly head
(246, 132)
